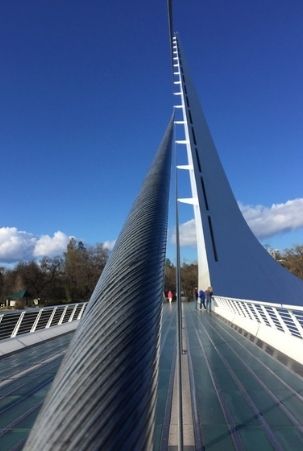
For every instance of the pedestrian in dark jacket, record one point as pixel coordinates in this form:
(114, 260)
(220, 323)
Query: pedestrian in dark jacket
(202, 299)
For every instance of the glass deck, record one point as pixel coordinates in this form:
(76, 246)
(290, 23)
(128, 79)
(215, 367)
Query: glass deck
(244, 399)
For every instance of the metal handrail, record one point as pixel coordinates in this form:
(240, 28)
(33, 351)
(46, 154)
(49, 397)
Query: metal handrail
(284, 318)
(20, 322)
(271, 304)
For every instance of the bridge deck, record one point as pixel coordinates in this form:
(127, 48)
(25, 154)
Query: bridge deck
(243, 398)
(25, 378)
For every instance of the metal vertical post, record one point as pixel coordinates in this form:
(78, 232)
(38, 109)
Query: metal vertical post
(178, 275)
(179, 318)
(18, 324)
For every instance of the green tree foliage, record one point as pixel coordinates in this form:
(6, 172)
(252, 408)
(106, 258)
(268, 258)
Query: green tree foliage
(70, 278)
(73, 277)
(170, 276)
(292, 259)
(2, 281)
(54, 279)
(82, 268)
(189, 277)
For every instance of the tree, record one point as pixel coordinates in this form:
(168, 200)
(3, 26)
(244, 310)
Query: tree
(82, 267)
(97, 258)
(55, 280)
(292, 259)
(53, 290)
(2, 282)
(170, 276)
(28, 276)
(189, 279)
(74, 269)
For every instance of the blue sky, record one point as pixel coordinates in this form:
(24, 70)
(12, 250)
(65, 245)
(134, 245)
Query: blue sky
(86, 96)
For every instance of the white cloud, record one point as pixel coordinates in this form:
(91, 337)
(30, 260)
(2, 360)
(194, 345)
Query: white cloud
(51, 246)
(187, 234)
(15, 244)
(18, 245)
(109, 245)
(268, 221)
(263, 221)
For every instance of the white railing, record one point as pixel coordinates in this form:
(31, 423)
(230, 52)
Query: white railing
(14, 324)
(279, 325)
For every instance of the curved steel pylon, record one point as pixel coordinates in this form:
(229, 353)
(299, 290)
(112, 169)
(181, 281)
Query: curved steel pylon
(103, 397)
(230, 258)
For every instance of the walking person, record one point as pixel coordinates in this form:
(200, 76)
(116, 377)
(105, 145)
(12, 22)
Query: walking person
(208, 294)
(202, 299)
(170, 296)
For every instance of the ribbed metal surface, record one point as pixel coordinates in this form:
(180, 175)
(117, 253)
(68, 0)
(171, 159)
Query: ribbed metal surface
(103, 397)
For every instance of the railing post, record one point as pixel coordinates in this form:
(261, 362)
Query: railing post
(18, 324)
(268, 317)
(242, 309)
(34, 326)
(236, 306)
(71, 317)
(62, 316)
(231, 307)
(49, 322)
(296, 322)
(245, 310)
(81, 312)
(261, 320)
(283, 325)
